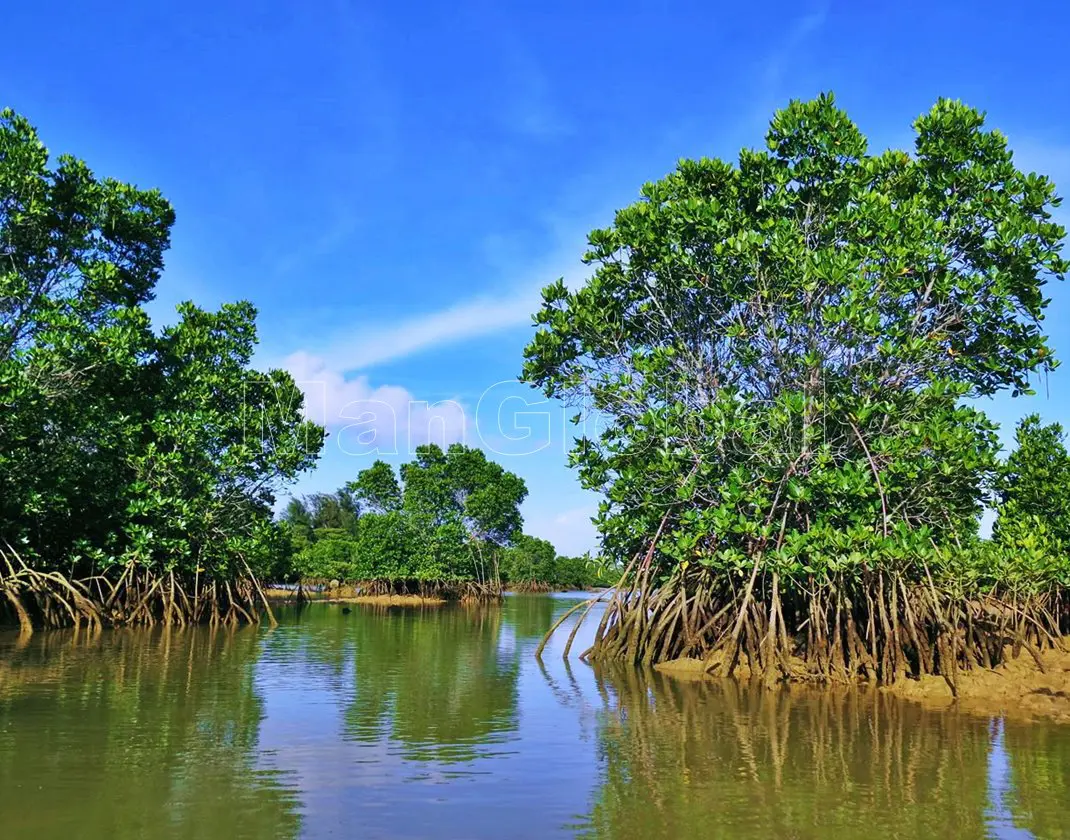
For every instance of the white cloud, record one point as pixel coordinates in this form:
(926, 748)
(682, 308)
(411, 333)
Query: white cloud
(368, 420)
(372, 420)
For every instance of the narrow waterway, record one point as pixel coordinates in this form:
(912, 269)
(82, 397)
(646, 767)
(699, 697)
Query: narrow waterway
(440, 723)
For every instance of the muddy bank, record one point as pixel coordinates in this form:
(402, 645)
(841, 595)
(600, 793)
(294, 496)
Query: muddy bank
(388, 600)
(1018, 689)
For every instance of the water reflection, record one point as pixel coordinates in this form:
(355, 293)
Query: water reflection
(410, 722)
(723, 759)
(440, 723)
(530, 616)
(998, 814)
(135, 734)
(1037, 791)
(434, 682)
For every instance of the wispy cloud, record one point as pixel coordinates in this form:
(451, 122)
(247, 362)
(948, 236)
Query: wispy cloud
(337, 230)
(367, 419)
(460, 322)
(530, 109)
(363, 346)
(782, 66)
(787, 51)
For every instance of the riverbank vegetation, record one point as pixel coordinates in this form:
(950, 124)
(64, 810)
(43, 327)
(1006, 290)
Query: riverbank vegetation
(787, 353)
(138, 465)
(532, 564)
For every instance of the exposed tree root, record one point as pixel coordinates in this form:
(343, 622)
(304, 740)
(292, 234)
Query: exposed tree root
(532, 587)
(35, 598)
(877, 628)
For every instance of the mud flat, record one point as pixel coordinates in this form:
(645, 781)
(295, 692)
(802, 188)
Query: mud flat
(388, 600)
(1020, 689)
(1017, 689)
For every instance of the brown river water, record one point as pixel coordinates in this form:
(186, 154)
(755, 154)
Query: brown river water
(440, 723)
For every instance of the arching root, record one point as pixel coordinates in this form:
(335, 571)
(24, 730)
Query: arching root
(878, 627)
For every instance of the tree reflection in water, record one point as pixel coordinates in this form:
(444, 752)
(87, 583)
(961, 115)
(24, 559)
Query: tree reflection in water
(441, 723)
(723, 759)
(434, 682)
(164, 721)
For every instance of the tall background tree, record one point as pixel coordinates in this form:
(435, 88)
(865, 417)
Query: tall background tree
(1031, 534)
(440, 529)
(1034, 486)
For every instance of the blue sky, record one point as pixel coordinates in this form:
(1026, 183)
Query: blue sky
(391, 184)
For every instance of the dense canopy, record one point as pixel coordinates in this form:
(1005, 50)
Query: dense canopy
(780, 348)
(137, 467)
(448, 525)
(438, 529)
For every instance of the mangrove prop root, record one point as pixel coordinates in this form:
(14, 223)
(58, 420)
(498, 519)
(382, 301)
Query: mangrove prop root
(542, 645)
(130, 596)
(878, 627)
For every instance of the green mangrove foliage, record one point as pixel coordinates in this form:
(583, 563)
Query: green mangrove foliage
(1028, 550)
(360, 534)
(137, 467)
(780, 349)
(439, 529)
(1034, 486)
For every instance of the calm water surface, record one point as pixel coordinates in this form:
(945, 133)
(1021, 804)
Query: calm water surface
(439, 723)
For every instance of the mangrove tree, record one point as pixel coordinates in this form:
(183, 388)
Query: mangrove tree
(137, 466)
(782, 351)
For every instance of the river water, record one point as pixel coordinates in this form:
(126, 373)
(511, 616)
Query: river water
(440, 723)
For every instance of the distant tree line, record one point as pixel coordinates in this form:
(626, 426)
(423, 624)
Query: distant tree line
(447, 523)
(533, 565)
